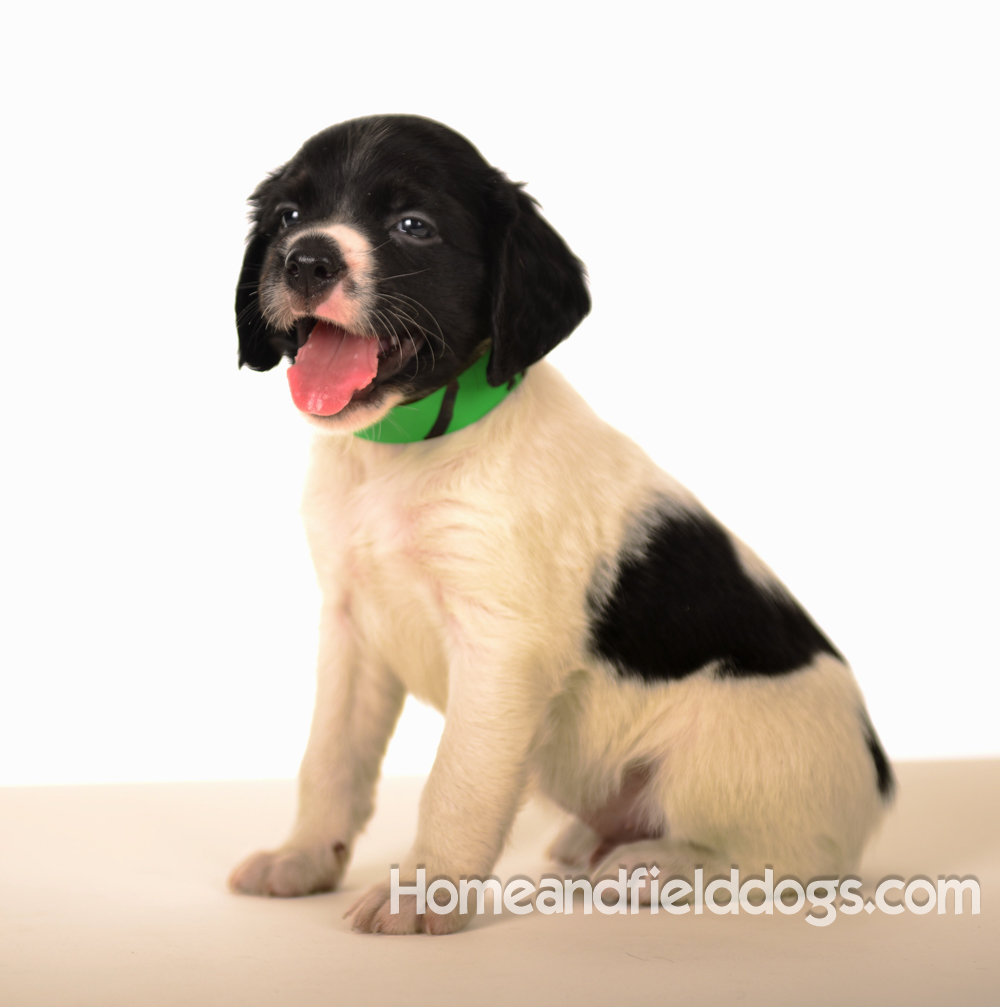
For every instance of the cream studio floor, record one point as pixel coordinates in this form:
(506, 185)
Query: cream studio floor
(115, 895)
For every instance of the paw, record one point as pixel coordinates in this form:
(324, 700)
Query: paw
(574, 846)
(291, 871)
(672, 860)
(371, 915)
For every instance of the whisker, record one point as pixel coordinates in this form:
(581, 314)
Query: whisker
(248, 311)
(397, 344)
(419, 326)
(407, 321)
(416, 362)
(405, 317)
(420, 307)
(399, 276)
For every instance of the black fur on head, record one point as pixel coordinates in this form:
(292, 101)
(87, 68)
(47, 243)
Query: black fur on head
(482, 269)
(538, 296)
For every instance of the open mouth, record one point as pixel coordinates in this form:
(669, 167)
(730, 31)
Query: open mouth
(335, 367)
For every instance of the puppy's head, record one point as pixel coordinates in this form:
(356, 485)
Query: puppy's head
(385, 258)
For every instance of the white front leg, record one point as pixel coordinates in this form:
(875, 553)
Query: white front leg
(495, 707)
(358, 701)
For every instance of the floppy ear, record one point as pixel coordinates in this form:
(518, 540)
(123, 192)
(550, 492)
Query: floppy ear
(539, 293)
(256, 348)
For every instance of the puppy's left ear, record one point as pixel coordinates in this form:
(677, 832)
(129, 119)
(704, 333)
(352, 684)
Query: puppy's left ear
(256, 348)
(539, 292)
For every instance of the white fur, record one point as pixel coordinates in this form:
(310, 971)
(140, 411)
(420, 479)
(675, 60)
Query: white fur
(349, 304)
(457, 569)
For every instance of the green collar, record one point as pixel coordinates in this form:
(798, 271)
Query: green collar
(467, 398)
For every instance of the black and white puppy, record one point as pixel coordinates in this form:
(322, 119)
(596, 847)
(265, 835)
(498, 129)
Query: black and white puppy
(586, 627)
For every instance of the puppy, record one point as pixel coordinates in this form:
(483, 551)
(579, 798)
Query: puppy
(484, 541)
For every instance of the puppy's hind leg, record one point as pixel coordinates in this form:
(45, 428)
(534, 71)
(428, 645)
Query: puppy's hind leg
(358, 702)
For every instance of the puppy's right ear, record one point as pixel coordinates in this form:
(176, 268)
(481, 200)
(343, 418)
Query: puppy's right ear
(256, 347)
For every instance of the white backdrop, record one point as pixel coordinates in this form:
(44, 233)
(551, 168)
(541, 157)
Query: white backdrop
(790, 215)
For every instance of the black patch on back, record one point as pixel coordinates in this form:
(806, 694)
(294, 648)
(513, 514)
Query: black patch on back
(686, 601)
(883, 771)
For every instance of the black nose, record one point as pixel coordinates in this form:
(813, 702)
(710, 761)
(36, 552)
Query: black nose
(313, 263)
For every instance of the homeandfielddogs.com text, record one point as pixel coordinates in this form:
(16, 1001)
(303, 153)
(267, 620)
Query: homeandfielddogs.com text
(644, 890)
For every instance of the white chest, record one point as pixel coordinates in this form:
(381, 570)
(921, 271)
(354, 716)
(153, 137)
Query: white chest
(373, 555)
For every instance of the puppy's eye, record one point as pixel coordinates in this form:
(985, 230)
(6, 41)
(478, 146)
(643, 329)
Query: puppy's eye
(289, 217)
(414, 227)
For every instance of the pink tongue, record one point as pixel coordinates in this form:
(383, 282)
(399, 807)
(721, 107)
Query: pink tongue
(330, 368)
